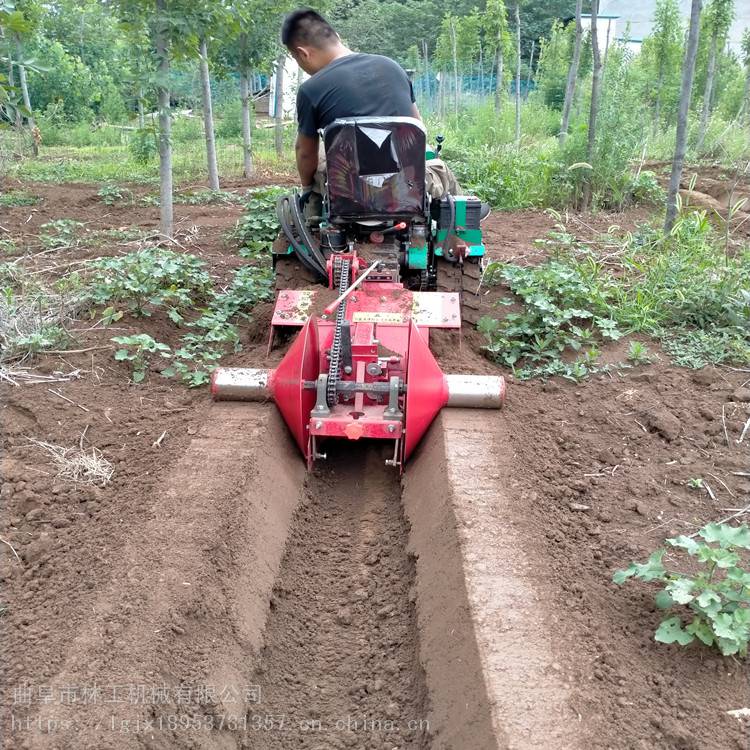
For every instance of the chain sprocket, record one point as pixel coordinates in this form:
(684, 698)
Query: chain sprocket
(341, 275)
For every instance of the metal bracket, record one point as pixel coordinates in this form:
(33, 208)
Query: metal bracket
(321, 403)
(392, 411)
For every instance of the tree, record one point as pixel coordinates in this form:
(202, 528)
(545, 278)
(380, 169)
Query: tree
(745, 108)
(596, 85)
(497, 43)
(688, 72)
(570, 87)
(161, 43)
(278, 104)
(718, 20)
(662, 51)
(208, 116)
(518, 75)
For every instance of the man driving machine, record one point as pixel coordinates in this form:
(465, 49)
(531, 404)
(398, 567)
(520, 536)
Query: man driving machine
(344, 84)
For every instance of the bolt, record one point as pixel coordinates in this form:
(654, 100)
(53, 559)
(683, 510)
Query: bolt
(284, 296)
(453, 299)
(382, 299)
(354, 299)
(347, 370)
(391, 428)
(445, 320)
(318, 425)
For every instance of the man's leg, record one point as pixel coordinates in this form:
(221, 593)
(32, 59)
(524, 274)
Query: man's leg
(440, 179)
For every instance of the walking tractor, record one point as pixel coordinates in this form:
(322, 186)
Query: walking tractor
(396, 264)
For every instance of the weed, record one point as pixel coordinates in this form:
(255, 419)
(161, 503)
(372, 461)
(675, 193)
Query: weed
(112, 194)
(33, 316)
(718, 595)
(137, 350)
(18, 198)
(638, 353)
(695, 483)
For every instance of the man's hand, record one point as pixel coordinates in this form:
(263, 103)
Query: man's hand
(306, 150)
(304, 195)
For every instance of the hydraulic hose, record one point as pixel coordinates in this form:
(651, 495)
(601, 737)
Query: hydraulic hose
(313, 262)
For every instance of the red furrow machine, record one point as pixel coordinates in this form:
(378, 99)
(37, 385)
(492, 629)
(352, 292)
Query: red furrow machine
(361, 366)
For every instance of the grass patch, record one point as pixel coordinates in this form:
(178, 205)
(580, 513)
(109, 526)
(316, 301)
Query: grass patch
(14, 198)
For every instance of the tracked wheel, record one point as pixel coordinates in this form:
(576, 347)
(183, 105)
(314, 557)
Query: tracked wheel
(465, 279)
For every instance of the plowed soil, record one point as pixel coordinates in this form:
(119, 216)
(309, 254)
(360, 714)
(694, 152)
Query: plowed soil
(175, 594)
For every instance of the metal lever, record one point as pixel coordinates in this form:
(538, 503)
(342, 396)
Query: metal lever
(345, 294)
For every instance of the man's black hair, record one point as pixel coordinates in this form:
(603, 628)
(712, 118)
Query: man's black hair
(307, 28)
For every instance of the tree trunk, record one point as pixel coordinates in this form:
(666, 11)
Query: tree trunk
(208, 118)
(531, 67)
(596, 86)
(745, 108)
(518, 76)
(141, 110)
(708, 93)
(570, 88)
(247, 138)
(688, 72)
(278, 105)
(165, 123)
(657, 103)
(500, 73)
(454, 48)
(25, 95)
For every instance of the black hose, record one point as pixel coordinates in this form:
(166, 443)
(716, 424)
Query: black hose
(311, 262)
(301, 226)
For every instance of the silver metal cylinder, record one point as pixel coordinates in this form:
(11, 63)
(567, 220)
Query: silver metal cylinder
(240, 384)
(476, 391)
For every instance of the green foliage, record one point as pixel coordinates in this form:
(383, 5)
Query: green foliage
(258, 227)
(681, 289)
(60, 233)
(143, 145)
(565, 307)
(112, 194)
(13, 198)
(638, 353)
(152, 277)
(137, 349)
(554, 61)
(717, 595)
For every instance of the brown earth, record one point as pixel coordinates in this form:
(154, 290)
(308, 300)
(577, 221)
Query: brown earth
(100, 593)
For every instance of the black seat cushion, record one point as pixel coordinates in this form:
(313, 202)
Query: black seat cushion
(375, 167)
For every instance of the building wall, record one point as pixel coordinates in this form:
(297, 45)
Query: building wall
(638, 17)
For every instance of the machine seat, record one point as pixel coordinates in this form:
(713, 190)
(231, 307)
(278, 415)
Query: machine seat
(375, 168)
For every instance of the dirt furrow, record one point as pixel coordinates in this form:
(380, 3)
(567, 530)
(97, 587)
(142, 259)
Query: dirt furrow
(340, 667)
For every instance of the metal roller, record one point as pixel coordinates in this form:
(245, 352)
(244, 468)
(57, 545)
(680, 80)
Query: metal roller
(241, 384)
(475, 391)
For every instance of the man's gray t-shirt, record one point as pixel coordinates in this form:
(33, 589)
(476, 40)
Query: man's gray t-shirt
(356, 85)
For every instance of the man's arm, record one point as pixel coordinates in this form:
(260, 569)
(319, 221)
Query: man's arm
(306, 150)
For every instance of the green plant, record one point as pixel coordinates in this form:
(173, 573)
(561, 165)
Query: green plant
(695, 483)
(645, 188)
(638, 353)
(143, 145)
(61, 233)
(152, 277)
(258, 227)
(717, 595)
(112, 194)
(207, 197)
(18, 198)
(137, 349)
(566, 307)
